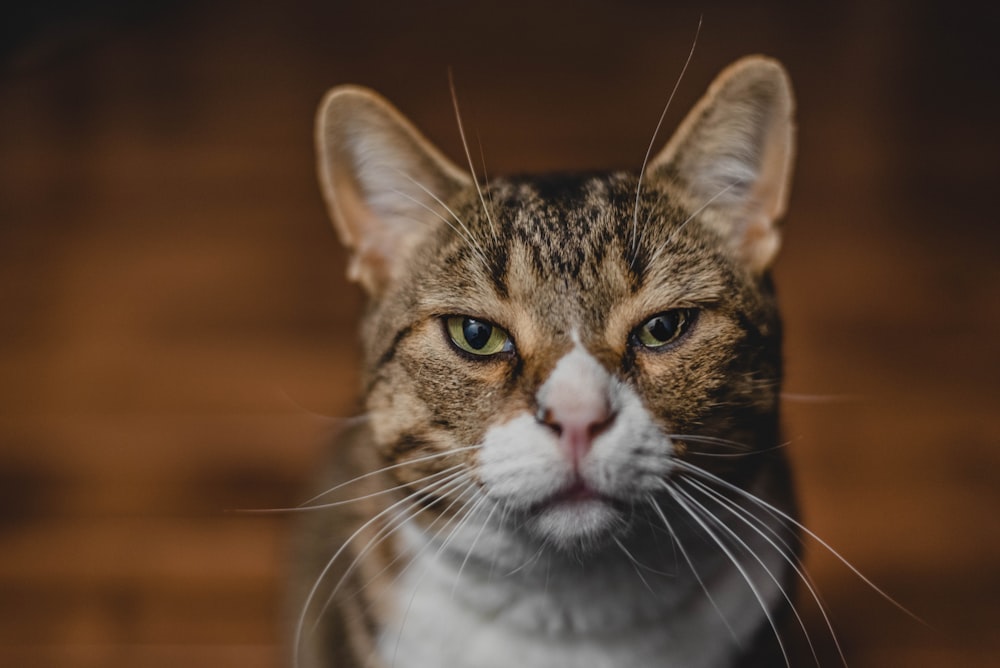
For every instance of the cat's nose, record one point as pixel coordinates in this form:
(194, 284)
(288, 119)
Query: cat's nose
(577, 422)
(576, 403)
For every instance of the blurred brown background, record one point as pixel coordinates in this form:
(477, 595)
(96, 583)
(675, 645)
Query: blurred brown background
(174, 317)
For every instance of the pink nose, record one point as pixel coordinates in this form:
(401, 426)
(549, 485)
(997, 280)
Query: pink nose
(576, 402)
(577, 421)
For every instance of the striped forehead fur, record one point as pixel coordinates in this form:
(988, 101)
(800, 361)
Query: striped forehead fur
(563, 244)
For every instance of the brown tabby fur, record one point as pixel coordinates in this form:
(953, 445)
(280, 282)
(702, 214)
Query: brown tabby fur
(548, 258)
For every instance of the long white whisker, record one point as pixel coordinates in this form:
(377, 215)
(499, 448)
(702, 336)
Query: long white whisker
(468, 155)
(384, 469)
(468, 233)
(344, 502)
(777, 512)
(677, 230)
(803, 398)
(746, 547)
(711, 440)
(461, 481)
(736, 564)
(652, 141)
(504, 513)
(635, 564)
(464, 513)
(701, 208)
(677, 541)
(486, 182)
(528, 562)
(714, 440)
(452, 520)
(464, 233)
(339, 420)
(786, 553)
(463, 488)
(472, 547)
(329, 564)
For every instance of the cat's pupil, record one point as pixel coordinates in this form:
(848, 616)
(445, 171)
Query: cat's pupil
(663, 327)
(476, 332)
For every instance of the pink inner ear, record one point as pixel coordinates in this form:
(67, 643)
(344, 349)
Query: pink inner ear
(742, 129)
(384, 183)
(760, 243)
(366, 237)
(369, 266)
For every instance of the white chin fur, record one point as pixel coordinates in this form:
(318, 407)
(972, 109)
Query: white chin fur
(576, 523)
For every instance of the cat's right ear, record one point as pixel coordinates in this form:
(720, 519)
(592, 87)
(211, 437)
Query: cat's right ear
(383, 182)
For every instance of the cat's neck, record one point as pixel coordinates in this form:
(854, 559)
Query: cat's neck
(537, 589)
(634, 609)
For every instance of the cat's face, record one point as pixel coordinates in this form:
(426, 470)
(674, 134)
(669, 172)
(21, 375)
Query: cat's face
(567, 340)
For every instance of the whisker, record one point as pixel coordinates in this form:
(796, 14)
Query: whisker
(457, 482)
(736, 564)
(708, 515)
(694, 571)
(334, 504)
(677, 230)
(465, 513)
(504, 513)
(635, 564)
(528, 562)
(472, 547)
(468, 155)
(339, 420)
(712, 440)
(385, 532)
(463, 489)
(786, 553)
(780, 514)
(802, 398)
(384, 469)
(652, 142)
(486, 181)
(464, 233)
(297, 641)
(686, 439)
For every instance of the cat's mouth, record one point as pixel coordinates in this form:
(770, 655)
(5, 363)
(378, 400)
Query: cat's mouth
(575, 515)
(578, 492)
(577, 495)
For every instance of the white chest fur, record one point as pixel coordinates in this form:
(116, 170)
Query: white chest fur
(522, 609)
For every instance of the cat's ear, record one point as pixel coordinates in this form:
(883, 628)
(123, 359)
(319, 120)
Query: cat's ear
(732, 157)
(384, 184)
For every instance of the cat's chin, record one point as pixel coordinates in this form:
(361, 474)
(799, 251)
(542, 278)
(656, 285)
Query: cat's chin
(575, 522)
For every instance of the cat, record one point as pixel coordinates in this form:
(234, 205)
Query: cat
(571, 454)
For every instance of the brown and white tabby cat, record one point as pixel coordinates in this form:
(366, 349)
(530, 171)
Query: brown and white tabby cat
(570, 453)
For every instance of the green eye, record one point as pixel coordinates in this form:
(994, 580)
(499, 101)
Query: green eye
(478, 337)
(664, 328)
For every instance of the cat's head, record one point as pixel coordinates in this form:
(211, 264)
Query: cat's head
(563, 341)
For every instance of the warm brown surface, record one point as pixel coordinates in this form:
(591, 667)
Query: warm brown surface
(173, 304)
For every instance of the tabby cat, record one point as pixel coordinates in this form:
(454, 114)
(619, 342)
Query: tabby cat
(570, 455)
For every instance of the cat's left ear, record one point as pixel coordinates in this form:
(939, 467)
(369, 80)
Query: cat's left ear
(732, 157)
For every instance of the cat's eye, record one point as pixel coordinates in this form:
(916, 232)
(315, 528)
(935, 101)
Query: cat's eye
(478, 337)
(665, 328)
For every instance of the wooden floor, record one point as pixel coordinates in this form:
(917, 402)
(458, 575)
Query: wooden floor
(174, 320)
